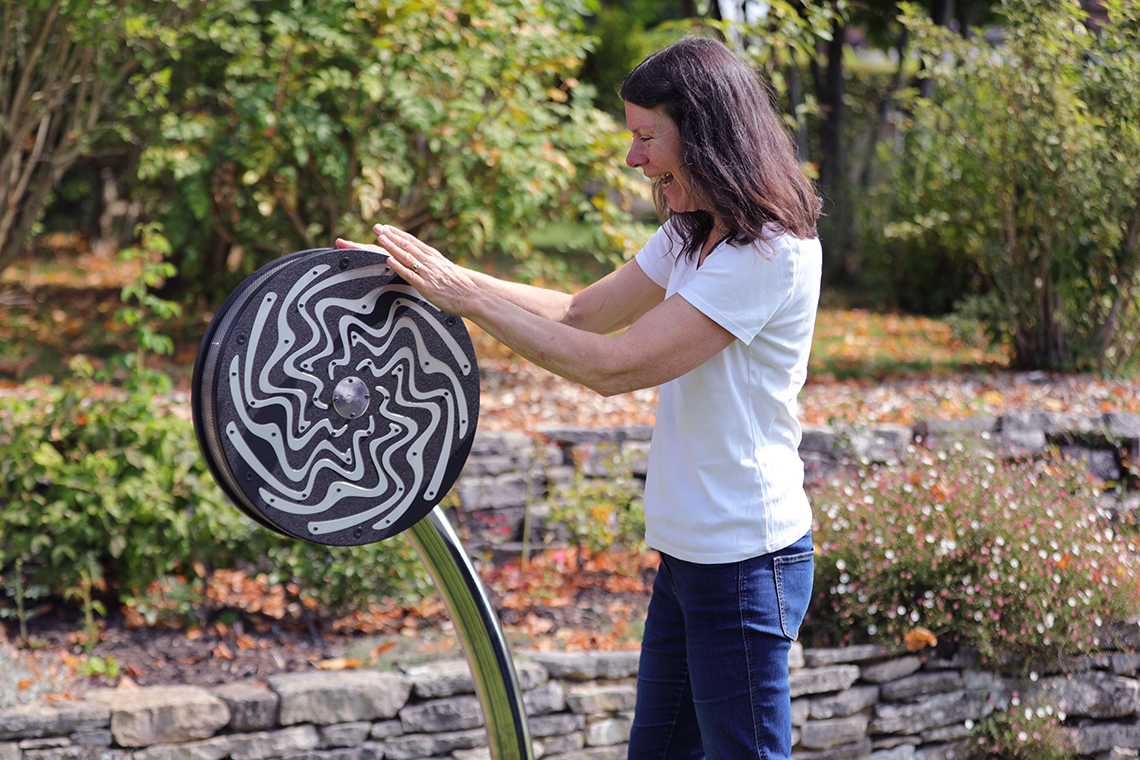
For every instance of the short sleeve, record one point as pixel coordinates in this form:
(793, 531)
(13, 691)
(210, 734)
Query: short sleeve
(742, 287)
(656, 257)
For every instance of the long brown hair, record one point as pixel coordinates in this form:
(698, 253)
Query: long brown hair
(735, 149)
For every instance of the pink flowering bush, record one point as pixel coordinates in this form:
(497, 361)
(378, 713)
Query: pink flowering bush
(1022, 732)
(1012, 557)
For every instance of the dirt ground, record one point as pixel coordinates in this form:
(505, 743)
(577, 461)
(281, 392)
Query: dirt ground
(58, 666)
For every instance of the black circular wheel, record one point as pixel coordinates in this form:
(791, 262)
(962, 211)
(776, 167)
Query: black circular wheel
(331, 402)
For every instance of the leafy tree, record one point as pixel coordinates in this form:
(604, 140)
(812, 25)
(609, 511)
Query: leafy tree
(465, 125)
(844, 172)
(1023, 163)
(69, 70)
(839, 104)
(622, 30)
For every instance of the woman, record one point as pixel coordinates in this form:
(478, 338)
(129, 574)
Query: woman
(718, 310)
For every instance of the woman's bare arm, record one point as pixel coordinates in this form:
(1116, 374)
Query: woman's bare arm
(664, 341)
(608, 305)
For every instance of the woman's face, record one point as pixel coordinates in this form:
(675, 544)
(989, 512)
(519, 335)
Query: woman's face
(656, 150)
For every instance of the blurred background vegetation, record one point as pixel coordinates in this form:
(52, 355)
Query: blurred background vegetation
(978, 157)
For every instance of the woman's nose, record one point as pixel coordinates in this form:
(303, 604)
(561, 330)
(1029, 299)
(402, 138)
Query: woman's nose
(635, 157)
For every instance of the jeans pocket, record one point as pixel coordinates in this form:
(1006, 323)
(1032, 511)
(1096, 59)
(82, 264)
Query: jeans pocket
(793, 589)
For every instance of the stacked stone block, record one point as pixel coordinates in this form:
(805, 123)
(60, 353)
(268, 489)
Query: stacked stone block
(509, 473)
(848, 703)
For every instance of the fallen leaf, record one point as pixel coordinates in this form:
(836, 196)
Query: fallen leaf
(127, 684)
(918, 638)
(25, 683)
(339, 663)
(223, 652)
(385, 647)
(60, 697)
(133, 619)
(534, 625)
(938, 492)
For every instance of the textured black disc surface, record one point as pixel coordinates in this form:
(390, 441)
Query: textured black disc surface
(332, 402)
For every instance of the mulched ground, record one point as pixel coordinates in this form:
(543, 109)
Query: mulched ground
(58, 667)
(527, 398)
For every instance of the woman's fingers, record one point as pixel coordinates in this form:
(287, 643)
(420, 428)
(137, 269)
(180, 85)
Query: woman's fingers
(408, 242)
(400, 250)
(342, 243)
(403, 250)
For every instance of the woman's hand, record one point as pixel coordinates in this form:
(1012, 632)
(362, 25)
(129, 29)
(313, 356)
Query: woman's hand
(446, 285)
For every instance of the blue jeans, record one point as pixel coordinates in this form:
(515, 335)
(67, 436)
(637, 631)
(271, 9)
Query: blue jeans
(713, 676)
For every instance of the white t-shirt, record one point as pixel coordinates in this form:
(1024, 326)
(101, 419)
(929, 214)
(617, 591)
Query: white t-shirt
(725, 480)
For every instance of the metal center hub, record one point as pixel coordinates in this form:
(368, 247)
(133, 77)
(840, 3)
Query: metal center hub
(350, 398)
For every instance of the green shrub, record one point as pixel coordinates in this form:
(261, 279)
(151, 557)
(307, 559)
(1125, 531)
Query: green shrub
(1009, 556)
(337, 581)
(1011, 175)
(90, 474)
(600, 512)
(466, 126)
(104, 496)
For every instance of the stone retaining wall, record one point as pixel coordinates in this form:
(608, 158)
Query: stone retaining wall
(854, 702)
(508, 473)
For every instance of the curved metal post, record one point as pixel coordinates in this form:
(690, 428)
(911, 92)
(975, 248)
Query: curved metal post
(480, 633)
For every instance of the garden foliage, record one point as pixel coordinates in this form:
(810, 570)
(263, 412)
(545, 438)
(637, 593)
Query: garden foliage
(294, 123)
(1021, 167)
(105, 499)
(71, 74)
(1008, 556)
(598, 513)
